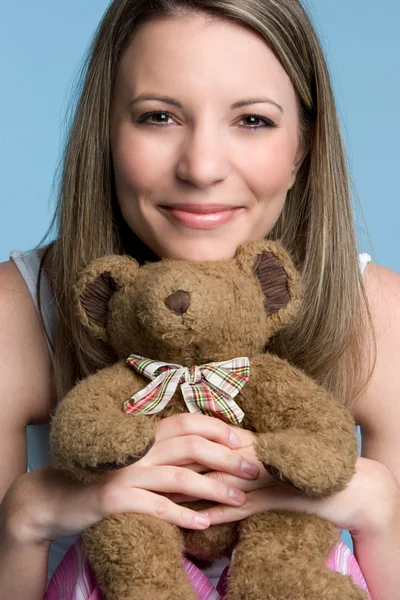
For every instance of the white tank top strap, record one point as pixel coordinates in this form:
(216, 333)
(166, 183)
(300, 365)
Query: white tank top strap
(28, 265)
(363, 260)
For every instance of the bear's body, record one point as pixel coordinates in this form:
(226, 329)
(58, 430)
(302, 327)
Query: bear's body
(191, 314)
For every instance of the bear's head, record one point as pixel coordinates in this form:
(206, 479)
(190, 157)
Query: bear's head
(189, 312)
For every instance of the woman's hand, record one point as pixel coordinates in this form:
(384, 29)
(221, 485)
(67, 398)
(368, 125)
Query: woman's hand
(247, 451)
(370, 501)
(45, 504)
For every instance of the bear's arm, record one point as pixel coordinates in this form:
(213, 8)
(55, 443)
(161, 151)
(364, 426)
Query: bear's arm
(306, 439)
(90, 431)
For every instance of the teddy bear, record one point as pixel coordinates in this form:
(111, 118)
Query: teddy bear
(193, 336)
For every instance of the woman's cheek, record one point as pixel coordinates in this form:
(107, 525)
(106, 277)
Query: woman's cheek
(139, 163)
(276, 179)
(270, 175)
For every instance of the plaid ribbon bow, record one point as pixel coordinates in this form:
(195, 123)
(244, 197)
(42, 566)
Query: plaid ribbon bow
(208, 388)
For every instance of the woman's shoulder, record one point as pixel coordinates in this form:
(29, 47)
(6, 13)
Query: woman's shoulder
(26, 389)
(378, 409)
(382, 287)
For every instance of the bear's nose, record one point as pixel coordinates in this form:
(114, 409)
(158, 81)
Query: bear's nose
(178, 302)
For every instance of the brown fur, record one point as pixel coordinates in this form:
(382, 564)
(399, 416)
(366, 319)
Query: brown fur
(306, 439)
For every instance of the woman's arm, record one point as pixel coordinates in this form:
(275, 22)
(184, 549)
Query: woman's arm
(26, 396)
(378, 414)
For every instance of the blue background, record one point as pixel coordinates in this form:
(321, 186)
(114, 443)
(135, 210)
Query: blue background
(41, 46)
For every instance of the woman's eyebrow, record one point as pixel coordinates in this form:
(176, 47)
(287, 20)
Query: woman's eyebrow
(176, 103)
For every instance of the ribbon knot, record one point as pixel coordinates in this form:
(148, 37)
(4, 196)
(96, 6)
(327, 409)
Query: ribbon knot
(207, 389)
(191, 376)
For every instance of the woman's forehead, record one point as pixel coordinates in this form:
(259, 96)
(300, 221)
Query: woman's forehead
(189, 58)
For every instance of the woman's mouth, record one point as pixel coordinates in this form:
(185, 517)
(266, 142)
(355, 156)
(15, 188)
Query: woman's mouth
(201, 216)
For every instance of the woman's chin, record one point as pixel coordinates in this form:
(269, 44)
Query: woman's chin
(200, 252)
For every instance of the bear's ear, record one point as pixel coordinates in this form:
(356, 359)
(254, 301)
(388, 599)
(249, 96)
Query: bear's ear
(275, 272)
(95, 287)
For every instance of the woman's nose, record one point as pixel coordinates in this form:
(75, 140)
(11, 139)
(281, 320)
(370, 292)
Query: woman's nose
(204, 159)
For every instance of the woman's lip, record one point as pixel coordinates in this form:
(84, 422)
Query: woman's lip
(198, 218)
(200, 208)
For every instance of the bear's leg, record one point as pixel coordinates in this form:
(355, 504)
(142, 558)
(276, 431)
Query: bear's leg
(138, 557)
(205, 546)
(281, 556)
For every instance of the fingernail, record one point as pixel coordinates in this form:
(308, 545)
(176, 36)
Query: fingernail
(203, 521)
(237, 495)
(249, 468)
(235, 439)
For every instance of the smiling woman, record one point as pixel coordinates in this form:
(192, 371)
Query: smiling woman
(200, 125)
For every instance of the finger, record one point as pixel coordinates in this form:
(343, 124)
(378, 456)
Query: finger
(183, 481)
(246, 485)
(179, 498)
(266, 499)
(248, 438)
(181, 451)
(113, 500)
(197, 468)
(203, 425)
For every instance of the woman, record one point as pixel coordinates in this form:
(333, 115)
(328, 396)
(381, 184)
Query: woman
(184, 177)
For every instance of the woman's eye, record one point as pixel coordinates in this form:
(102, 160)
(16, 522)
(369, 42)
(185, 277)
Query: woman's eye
(254, 119)
(145, 118)
(265, 122)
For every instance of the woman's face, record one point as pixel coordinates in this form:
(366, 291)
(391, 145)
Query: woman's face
(201, 176)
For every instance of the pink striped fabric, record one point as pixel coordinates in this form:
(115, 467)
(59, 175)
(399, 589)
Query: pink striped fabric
(343, 561)
(75, 580)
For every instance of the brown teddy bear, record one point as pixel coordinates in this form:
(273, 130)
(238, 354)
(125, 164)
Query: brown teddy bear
(188, 315)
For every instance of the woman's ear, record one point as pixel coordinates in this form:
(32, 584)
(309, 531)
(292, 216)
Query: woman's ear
(301, 153)
(96, 286)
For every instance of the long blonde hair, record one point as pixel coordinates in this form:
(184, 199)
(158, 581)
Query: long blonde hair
(328, 340)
